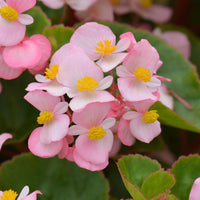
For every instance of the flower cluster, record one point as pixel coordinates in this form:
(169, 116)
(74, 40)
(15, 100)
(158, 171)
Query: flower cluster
(19, 52)
(99, 107)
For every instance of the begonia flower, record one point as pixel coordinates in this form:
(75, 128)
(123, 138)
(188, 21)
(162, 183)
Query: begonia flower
(195, 190)
(12, 195)
(4, 137)
(31, 53)
(150, 11)
(99, 43)
(13, 22)
(176, 39)
(143, 123)
(55, 122)
(95, 138)
(136, 80)
(83, 79)
(7, 72)
(74, 4)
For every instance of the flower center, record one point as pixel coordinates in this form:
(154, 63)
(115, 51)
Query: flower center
(142, 74)
(44, 117)
(146, 3)
(96, 133)
(9, 13)
(106, 48)
(114, 2)
(87, 84)
(150, 116)
(8, 195)
(52, 72)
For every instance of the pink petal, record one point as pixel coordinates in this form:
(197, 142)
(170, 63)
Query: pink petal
(42, 100)
(108, 123)
(123, 72)
(105, 83)
(124, 132)
(110, 61)
(2, 3)
(77, 130)
(45, 45)
(95, 151)
(25, 19)
(80, 101)
(116, 147)
(21, 5)
(123, 44)
(87, 164)
(195, 191)
(7, 28)
(24, 192)
(7, 72)
(32, 196)
(55, 4)
(88, 35)
(25, 54)
(144, 132)
(80, 4)
(133, 90)
(92, 115)
(55, 130)
(41, 149)
(65, 149)
(60, 108)
(4, 137)
(131, 38)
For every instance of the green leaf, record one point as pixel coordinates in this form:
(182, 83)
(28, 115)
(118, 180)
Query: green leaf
(184, 82)
(60, 34)
(186, 170)
(55, 178)
(133, 175)
(40, 21)
(17, 116)
(157, 183)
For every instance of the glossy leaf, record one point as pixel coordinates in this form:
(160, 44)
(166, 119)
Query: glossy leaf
(186, 170)
(55, 178)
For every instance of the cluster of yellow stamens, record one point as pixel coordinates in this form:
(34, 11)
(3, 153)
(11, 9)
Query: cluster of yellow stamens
(87, 84)
(45, 116)
(9, 13)
(96, 133)
(105, 48)
(150, 116)
(146, 3)
(8, 195)
(142, 74)
(52, 72)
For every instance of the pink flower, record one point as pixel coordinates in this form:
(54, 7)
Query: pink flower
(10, 194)
(143, 124)
(83, 79)
(31, 53)
(95, 138)
(99, 43)
(176, 39)
(4, 137)
(148, 10)
(13, 21)
(195, 191)
(55, 123)
(74, 4)
(137, 81)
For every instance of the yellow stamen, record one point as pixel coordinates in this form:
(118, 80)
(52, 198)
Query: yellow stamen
(45, 116)
(142, 74)
(52, 72)
(114, 2)
(146, 3)
(9, 13)
(150, 116)
(96, 133)
(106, 48)
(87, 84)
(8, 195)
